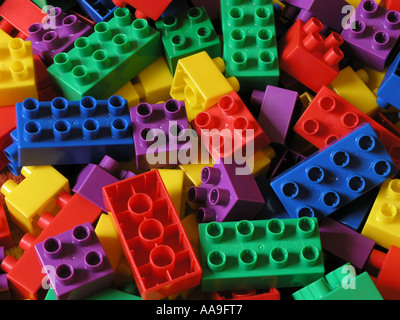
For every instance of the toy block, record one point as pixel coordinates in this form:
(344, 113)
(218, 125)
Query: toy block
(161, 133)
(6, 240)
(259, 164)
(330, 116)
(76, 263)
(173, 181)
(288, 159)
(335, 175)
(228, 192)
(147, 8)
(383, 224)
(186, 33)
(371, 34)
(57, 34)
(387, 90)
(373, 79)
(18, 72)
(200, 83)
(3, 277)
(152, 237)
(4, 37)
(20, 14)
(74, 210)
(70, 132)
(228, 128)
(269, 294)
(340, 284)
(34, 195)
(392, 5)
(320, 55)
(383, 268)
(260, 254)
(107, 59)
(351, 85)
(345, 243)
(250, 47)
(98, 10)
(7, 125)
(277, 106)
(92, 178)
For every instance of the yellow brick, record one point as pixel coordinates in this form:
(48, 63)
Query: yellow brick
(173, 181)
(33, 196)
(383, 222)
(129, 93)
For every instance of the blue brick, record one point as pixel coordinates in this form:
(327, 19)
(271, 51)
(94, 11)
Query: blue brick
(335, 175)
(388, 90)
(98, 10)
(70, 132)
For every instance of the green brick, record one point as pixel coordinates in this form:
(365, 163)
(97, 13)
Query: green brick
(276, 253)
(250, 48)
(187, 33)
(106, 60)
(340, 284)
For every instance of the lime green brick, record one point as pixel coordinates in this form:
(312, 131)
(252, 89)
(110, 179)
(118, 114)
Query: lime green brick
(187, 33)
(106, 60)
(340, 284)
(276, 253)
(249, 43)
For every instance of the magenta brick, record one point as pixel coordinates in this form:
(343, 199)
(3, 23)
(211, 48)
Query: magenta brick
(57, 34)
(76, 263)
(277, 107)
(371, 34)
(226, 193)
(160, 131)
(93, 178)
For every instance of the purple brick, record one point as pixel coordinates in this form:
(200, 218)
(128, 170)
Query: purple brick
(226, 193)
(345, 243)
(371, 34)
(57, 34)
(277, 106)
(93, 178)
(160, 132)
(76, 263)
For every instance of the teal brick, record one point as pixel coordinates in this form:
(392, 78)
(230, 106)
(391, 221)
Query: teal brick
(276, 253)
(249, 43)
(187, 33)
(340, 284)
(106, 60)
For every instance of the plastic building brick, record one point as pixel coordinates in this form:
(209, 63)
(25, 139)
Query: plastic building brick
(98, 10)
(200, 83)
(7, 125)
(71, 132)
(277, 106)
(335, 175)
(287, 160)
(260, 254)
(6, 240)
(149, 8)
(228, 127)
(228, 192)
(36, 194)
(382, 224)
(250, 47)
(152, 237)
(392, 5)
(345, 243)
(187, 33)
(259, 164)
(351, 85)
(74, 210)
(173, 181)
(371, 34)
(3, 277)
(4, 37)
(387, 90)
(340, 284)
(330, 116)
(76, 263)
(320, 55)
(93, 178)
(18, 74)
(107, 59)
(160, 133)
(57, 35)
(383, 269)
(269, 294)
(19, 14)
